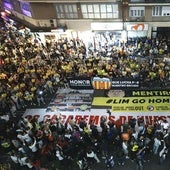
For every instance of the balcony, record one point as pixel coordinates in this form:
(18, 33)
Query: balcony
(137, 19)
(149, 1)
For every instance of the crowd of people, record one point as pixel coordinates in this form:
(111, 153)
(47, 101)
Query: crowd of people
(29, 70)
(55, 144)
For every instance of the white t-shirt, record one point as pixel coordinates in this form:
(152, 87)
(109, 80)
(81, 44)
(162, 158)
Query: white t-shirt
(58, 155)
(165, 125)
(157, 142)
(27, 138)
(33, 146)
(14, 158)
(29, 165)
(90, 154)
(22, 161)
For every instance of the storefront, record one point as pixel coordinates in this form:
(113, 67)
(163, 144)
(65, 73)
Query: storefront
(106, 34)
(137, 30)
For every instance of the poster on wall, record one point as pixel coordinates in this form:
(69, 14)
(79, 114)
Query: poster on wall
(137, 30)
(26, 8)
(7, 4)
(137, 27)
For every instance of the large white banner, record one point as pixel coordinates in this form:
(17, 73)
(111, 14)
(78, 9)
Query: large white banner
(95, 115)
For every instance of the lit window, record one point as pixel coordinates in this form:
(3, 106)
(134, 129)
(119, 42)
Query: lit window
(66, 11)
(137, 11)
(99, 10)
(109, 8)
(103, 8)
(90, 8)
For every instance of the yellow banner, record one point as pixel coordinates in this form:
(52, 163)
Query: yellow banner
(134, 103)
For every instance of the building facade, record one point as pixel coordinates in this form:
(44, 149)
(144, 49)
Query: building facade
(123, 18)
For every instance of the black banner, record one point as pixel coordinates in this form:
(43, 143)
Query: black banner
(80, 83)
(102, 83)
(125, 83)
